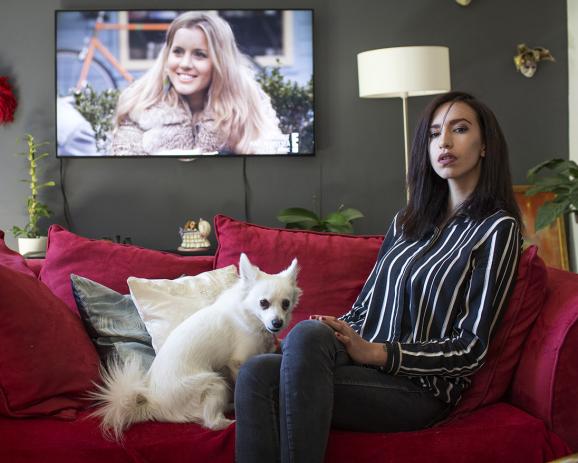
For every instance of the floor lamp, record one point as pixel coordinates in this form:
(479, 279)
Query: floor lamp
(404, 72)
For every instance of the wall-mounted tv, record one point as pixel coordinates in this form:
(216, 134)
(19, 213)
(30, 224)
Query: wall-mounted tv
(184, 83)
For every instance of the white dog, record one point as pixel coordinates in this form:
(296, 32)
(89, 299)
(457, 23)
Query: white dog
(189, 380)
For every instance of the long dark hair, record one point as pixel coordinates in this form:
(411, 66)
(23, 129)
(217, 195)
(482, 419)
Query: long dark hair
(429, 193)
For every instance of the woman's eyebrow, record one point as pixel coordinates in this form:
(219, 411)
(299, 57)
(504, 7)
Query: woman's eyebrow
(452, 122)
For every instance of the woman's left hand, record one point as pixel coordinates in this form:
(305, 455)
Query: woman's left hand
(360, 350)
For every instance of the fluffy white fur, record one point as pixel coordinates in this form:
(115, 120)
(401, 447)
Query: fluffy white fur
(190, 378)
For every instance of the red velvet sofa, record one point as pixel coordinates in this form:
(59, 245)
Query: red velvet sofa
(521, 407)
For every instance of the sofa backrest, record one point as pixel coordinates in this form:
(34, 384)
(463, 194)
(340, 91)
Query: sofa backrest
(546, 380)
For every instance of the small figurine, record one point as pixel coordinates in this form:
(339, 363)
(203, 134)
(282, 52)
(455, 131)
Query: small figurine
(194, 236)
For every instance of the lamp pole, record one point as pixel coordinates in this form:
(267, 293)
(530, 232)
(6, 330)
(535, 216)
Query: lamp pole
(405, 139)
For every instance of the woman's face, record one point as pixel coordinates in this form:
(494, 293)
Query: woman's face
(188, 66)
(456, 146)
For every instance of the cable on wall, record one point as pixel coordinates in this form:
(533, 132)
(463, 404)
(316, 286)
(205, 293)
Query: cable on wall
(247, 190)
(66, 207)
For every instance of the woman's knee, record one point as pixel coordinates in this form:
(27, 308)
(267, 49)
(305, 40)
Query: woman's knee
(260, 370)
(308, 333)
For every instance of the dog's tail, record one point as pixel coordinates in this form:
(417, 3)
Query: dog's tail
(123, 397)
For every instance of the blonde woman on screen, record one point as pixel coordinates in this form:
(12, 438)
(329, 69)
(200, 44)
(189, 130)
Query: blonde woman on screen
(199, 97)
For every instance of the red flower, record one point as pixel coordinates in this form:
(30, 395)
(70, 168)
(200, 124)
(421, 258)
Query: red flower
(7, 101)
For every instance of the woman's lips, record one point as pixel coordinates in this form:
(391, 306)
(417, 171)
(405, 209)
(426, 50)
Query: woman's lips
(446, 159)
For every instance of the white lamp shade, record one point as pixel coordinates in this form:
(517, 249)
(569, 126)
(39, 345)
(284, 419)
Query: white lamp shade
(404, 71)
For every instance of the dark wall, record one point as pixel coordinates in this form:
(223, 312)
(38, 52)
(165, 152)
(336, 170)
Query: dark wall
(359, 159)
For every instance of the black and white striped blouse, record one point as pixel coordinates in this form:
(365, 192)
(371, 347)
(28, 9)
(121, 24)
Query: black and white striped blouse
(435, 303)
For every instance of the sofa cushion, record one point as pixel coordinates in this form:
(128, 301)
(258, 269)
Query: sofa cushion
(12, 259)
(499, 433)
(112, 321)
(334, 267)
(47, 361)
(163, 304)
(491, 382)
(109, 264)
(547, 375)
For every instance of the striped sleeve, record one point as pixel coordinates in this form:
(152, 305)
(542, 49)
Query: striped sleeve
(462, 352)
(357, 313)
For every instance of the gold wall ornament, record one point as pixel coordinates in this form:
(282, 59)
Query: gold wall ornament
(527, 59)
(463, 2)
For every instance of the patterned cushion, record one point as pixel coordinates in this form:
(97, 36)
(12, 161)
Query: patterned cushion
(112, 321)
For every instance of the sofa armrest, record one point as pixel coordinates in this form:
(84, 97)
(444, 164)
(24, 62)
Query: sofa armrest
(546, 380)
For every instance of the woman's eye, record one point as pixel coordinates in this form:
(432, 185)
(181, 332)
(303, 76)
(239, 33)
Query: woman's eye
(177, 51)
(461, 129)
(434, 134)
(200, 54)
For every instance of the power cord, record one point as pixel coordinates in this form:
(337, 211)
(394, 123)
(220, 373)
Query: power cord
(66, 207)
(247, 190)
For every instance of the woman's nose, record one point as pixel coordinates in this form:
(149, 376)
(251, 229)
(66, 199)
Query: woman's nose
(444, 139)
(186, 62)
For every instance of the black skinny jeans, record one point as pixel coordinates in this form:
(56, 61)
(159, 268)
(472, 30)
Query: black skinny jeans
(286, 404)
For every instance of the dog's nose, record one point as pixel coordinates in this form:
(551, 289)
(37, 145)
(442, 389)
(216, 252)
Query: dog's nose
(277, 323)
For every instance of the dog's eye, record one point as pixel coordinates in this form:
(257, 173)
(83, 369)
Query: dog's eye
(285, 304)
(264, 304)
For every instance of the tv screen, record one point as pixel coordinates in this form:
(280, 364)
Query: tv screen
(184, 83)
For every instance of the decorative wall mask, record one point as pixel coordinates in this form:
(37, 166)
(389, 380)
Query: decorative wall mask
(527, 59)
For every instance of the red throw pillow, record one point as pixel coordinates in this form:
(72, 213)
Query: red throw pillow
(47, 361)
(109, 264)
(333, 267)
(12, 259)
(491, 382)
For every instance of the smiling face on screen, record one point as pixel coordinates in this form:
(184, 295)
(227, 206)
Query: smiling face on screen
(189, 67)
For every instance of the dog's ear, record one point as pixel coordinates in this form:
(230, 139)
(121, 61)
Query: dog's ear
(247, 271)
(292, 271)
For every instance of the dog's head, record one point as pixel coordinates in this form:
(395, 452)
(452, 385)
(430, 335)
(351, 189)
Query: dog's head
(270, 297)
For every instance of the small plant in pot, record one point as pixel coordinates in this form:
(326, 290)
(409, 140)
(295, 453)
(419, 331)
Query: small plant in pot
(29, 240)
(304, 219)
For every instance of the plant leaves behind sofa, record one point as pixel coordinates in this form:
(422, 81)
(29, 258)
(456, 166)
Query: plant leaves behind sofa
(533, 422)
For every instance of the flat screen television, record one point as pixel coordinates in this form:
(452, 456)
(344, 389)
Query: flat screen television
(150, 83)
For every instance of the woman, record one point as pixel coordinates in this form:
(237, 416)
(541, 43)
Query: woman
(400, 359)
(200, 96)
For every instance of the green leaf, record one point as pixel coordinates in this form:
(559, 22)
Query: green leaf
(548, 213)
(301, 225)
(550, 184)
(336, 219)
(297, 214)
(550, 164)
(352, 214)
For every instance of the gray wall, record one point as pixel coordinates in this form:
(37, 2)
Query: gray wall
(359, 159)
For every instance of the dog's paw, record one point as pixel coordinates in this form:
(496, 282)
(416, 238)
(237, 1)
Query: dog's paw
(220, 423)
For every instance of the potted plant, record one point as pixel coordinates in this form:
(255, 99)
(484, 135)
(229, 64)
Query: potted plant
(29, 240)
(304, 219)
(563, 182)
